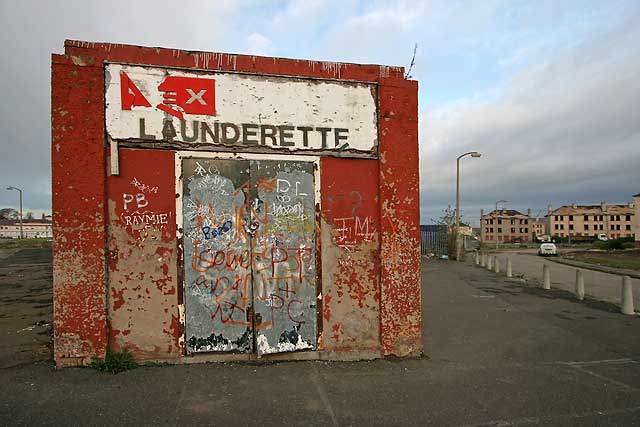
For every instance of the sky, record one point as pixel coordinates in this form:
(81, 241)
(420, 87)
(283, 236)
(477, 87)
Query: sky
(547, 91)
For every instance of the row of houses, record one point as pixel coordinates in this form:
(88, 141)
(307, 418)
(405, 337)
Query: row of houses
(576, 222)
(31, 228)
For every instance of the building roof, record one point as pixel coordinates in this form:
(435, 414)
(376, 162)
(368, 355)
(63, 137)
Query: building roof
(636, 195)
(505, 213)
(592, 209)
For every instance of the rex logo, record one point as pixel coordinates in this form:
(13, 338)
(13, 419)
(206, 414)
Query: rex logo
(180, 95)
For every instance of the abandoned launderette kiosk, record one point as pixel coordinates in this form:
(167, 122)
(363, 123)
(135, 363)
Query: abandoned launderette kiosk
(212, 207)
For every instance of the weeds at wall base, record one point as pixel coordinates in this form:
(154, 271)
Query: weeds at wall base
(114, 363)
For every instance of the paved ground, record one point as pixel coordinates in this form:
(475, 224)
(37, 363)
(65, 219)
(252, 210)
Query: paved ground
(499, 353)
(25, 306)
(599, 285)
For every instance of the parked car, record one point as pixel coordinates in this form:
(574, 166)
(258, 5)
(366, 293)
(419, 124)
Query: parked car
(602, 236)
(548, 249)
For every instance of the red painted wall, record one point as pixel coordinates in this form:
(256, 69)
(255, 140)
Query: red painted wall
(400, 313)
(82, 246)
(350, 254)
(78, 188)
(142, 291)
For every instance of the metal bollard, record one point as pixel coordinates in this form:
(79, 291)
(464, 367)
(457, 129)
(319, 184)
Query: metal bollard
(546, 277)
(509, 272)
(579, 285)
(496, 264)
(627, 296)
(489, 267)
(477, 260)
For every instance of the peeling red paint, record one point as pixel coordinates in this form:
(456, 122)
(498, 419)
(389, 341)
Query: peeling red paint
(78, 164)
(147, 274)
(117, 298)
(326, 306)
(400, 304)
(351, 267)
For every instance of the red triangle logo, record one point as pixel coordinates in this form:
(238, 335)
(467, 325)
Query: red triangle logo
(130, 95)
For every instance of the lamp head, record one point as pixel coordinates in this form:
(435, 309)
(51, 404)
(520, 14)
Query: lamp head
(11, 188)
(475, 154)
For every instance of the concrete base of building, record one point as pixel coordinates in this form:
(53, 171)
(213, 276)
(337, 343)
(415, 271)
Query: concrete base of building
(336, 356)
(344, 356)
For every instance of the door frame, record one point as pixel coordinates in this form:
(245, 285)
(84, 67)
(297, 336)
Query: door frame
(179, 156)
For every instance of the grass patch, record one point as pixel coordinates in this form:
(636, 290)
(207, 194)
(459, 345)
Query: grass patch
(627, 259)
(627, 264)
(25, 243)
(620, 243)
(114, 362)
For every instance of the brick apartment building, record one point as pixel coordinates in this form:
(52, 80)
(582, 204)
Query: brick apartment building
(538, 227)
(586, 222)
(505, 226)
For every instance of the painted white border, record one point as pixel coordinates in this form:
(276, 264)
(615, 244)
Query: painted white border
(180, 155)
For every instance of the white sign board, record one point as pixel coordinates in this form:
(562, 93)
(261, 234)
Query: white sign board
(242, 112)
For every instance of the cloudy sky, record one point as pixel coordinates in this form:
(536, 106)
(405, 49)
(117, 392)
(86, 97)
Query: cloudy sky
(548, 91)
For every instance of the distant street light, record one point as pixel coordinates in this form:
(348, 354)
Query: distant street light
(496, 211)
(472, 154)
(16, 188)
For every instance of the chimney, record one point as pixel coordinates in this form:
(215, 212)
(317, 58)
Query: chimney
(603, 206)
(549, 210)
(43, 216)
(529, 212)
(481, 213)
(573, 205)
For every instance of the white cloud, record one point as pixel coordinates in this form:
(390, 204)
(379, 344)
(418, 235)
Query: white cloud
(380, 34)
(561, 131)
(257, 44)
(32, 30)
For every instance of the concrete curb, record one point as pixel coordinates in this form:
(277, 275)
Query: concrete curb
(600, 268)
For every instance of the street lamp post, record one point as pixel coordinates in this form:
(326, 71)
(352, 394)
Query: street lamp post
(496, 211)
(472, 154)
(16, 188)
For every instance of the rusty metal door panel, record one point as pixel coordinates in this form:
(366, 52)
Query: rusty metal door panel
(283, 245)
(217, 256)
